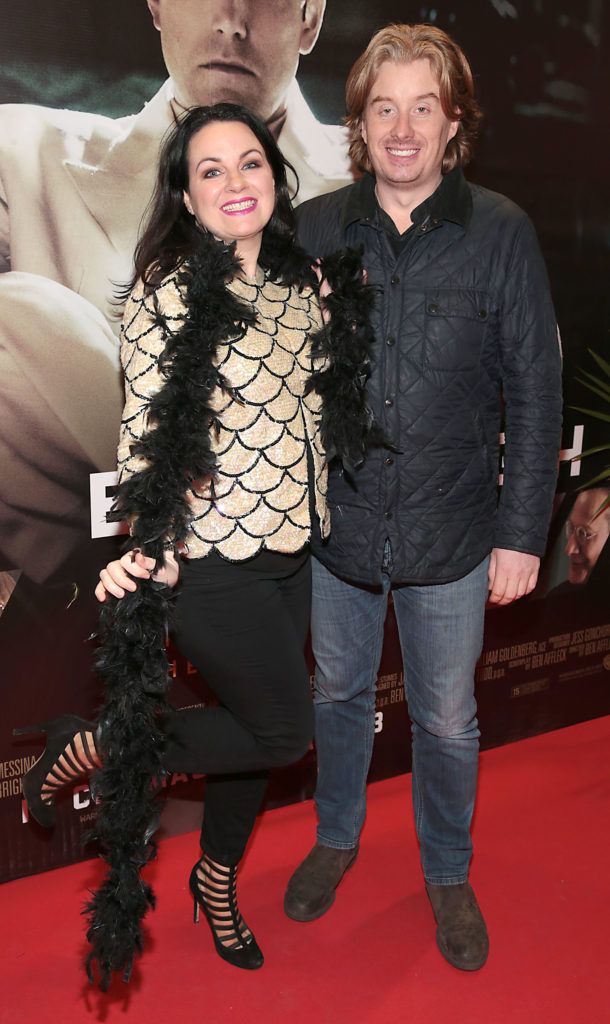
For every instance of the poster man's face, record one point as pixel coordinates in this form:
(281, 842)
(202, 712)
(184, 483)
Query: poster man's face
(240, 51)
(587, 534)
(404, 127)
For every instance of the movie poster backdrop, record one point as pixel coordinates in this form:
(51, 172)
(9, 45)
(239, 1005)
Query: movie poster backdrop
(77, 153)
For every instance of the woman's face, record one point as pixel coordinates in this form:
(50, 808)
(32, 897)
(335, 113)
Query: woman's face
(231, 190)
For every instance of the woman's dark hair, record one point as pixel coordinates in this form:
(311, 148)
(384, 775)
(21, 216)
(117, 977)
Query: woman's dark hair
(171, 234)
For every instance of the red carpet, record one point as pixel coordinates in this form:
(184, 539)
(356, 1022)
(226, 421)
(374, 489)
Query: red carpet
(542, 838)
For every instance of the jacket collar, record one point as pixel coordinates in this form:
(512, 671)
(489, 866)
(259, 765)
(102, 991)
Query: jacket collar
(318, 152)
(116, 167)
(451, 201)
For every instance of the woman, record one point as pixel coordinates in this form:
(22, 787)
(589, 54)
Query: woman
(232, 387)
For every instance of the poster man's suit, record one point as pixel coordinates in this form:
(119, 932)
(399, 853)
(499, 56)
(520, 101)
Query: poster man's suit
(73, 189)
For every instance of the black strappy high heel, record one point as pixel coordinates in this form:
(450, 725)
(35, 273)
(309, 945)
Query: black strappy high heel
(51, 769)
(217, 897)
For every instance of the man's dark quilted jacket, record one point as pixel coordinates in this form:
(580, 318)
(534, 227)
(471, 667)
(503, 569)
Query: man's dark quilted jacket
(462, 317)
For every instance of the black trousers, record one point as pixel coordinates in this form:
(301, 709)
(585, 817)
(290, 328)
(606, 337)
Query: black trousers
(243, 626)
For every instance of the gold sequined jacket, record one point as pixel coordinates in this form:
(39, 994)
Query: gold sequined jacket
(266, 422)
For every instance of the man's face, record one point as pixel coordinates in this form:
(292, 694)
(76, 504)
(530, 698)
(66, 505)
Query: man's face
(404, 127)
(587, 534)
(239, 51)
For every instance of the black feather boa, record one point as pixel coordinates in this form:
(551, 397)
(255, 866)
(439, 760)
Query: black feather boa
(348, 427)
(133, 631)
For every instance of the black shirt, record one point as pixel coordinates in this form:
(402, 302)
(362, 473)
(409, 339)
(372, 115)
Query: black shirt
(445, 203)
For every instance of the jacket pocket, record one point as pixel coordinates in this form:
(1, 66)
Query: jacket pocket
(455, 323)
(483, 446)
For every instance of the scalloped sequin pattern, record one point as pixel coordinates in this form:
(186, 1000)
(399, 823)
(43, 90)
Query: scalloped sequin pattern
(260, 496)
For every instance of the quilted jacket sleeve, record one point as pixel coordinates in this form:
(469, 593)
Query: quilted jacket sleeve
(531, 380)
(319, 223)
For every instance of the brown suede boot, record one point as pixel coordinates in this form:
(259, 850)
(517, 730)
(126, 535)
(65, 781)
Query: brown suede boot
(311, 890)
(461, 934)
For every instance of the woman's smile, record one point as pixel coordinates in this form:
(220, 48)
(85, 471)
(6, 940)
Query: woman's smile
(239, 207)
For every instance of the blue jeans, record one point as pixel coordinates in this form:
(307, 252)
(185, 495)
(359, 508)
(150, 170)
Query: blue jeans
(441, 637)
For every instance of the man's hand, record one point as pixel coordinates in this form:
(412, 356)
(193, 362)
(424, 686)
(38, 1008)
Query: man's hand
(512, 574)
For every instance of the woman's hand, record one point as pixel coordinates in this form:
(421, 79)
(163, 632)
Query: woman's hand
(121, 575)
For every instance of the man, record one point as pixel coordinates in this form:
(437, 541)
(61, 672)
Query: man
(73, 189)
(462, 317)
(587, 530)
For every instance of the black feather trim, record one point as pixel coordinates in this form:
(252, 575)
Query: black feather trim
(286, 262)
(348, 427)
